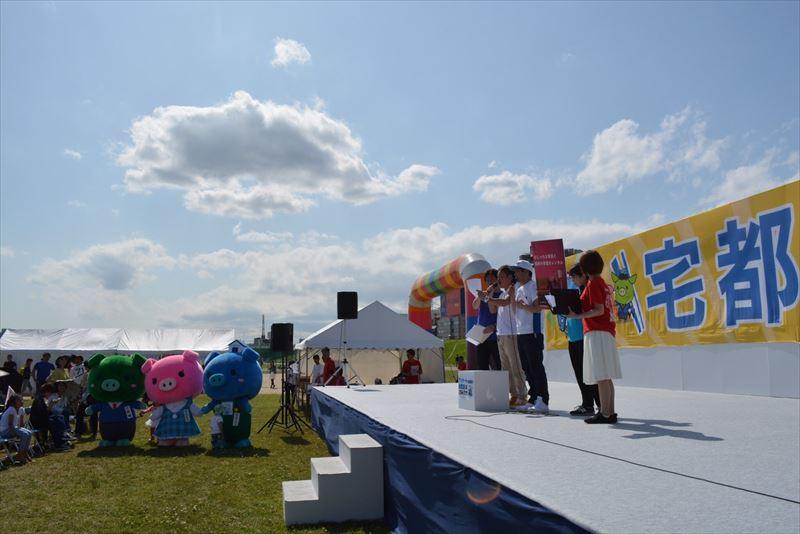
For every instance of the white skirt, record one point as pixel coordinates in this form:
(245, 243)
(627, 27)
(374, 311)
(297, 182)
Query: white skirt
(600, 357)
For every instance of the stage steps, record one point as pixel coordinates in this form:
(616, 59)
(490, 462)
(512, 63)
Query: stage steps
(342, 488)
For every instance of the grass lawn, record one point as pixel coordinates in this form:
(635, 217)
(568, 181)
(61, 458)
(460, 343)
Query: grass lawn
(146, 489)
(453, 348)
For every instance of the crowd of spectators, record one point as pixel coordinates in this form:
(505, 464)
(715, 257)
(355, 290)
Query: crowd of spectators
(54, 418)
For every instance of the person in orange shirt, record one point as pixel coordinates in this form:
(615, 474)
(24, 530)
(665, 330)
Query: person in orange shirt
(412, 369)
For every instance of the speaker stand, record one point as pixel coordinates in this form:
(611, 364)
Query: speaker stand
(285, 417)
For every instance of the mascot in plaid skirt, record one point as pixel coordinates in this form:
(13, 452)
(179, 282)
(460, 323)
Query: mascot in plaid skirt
(172, 383)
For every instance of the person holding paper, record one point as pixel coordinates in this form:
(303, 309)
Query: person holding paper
(529, 338)
(488, 353)
(412, 369)
(574, 330)
(600, 358)
(506, 336)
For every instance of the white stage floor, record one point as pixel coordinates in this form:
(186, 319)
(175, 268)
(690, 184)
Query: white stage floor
(589, 473)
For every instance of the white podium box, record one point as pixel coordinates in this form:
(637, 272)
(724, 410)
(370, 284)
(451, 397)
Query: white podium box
(483, 391)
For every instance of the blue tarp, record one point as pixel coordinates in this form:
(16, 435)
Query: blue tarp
(425, 491)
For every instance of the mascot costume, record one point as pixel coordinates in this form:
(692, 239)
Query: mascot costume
(172, 383)
(117, 384)
(231, 380)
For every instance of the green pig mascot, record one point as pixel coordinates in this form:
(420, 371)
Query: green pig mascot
(117, 384)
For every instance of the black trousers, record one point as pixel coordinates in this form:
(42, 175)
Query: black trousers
(590, 396)
(531, 355)
(80, 421)
(488, 356)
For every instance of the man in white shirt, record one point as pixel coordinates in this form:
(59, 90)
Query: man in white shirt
(316, 370)
(529, 342)
(506, 336)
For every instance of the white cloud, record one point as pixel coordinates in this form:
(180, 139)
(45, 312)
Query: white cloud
(507, 188)
(656, 219)
(297, 281)
(288, 51)
(260, 237)
(492, 164)
(76, 204)
(74, 154)
(249, 159)
(111, 267)
(301, 279)
(568, 57)
(747, 180)
(7, 252)
(620, 155)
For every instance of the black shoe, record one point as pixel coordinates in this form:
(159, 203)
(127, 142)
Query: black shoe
(582, 411)
(599, 419)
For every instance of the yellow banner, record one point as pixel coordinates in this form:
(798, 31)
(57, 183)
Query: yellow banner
(723, 276)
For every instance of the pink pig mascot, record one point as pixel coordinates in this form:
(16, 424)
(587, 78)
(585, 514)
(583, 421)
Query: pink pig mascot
(171, 383)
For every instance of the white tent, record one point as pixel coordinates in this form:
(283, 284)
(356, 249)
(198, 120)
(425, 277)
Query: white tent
(86, 342)
(376, 344)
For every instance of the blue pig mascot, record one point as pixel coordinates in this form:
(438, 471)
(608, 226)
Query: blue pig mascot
(231, 380)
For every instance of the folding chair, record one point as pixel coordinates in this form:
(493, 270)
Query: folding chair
(36, 445)
(8, 443)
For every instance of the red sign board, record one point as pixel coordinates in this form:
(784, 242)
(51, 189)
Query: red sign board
(549, 265)
(452, 303)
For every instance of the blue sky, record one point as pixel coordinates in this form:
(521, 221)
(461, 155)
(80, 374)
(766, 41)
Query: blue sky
(201, 164)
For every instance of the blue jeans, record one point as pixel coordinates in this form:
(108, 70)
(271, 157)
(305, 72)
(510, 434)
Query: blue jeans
(23, 434)
(57, 425)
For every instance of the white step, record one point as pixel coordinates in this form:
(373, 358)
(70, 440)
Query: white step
(300, 501)
(369, 453)
(328, 475)
(347, 487)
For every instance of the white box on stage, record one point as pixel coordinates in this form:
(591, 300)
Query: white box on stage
(483, 391)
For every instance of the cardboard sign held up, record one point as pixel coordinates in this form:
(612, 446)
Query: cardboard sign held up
(549, 266)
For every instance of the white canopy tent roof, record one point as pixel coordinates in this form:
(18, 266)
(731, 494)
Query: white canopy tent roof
(376, 343)
(377, 327)
(88, 341)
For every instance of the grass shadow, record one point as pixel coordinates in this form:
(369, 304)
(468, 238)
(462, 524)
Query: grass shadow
(249, 452)
(349, 526)
(295, 440)
(116, 452)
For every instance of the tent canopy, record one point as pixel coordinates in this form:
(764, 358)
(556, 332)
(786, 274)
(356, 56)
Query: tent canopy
(376, 344)
(377, 327)
(88, 341)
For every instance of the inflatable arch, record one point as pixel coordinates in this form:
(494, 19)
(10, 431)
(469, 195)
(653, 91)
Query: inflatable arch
(452, 275)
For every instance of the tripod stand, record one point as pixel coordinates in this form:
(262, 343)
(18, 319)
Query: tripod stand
(346, 369)
(285, 417)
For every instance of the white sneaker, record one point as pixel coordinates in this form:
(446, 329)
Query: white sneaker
(540, 407)
(523, 407)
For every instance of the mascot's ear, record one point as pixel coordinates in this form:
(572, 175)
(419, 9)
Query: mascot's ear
(632, 279)
(211, 356)
(250, 355)
(146, 366)
(138, 360)
(614, 278)
(191, 356)
(95, 360)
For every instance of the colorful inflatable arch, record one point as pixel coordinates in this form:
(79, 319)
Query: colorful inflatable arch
(452, 275)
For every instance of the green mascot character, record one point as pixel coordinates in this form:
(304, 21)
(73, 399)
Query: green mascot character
(116, 383)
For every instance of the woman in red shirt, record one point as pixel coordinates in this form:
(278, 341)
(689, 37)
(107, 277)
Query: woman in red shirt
(600, 355)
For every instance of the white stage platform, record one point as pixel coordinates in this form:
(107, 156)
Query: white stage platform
(677, 461)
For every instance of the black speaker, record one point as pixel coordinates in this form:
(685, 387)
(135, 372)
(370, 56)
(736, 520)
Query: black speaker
(347, 305)
(282, 336)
